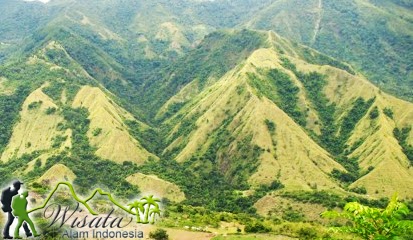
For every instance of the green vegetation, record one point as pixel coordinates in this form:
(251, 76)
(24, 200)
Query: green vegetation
(334, 136)
(320, 59)
(96, 131)
(344, 176)
(58, 140)
(159, 234)
(50, 110)
(279, 88)
(359, 190)
(331, 200)
(149, 138)
(374, 113)
(34, 105)
(292, 215)
(207, 188)
(55, 90)
(270, 125)
(388, 112)
(367, 36)
(359, 109)
(256, 227)
(287, 94)
(314, 84)
(7, 169)
(402, 136)
(90, 170)
(219, 171)
(9, 113)
(218, 53)
(375, 223)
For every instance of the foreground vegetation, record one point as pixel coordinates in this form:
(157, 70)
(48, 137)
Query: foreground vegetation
(375, 223)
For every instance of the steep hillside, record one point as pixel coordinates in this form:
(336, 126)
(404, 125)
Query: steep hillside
(43, 124)
(108, 131)
(292, 115)
(37, 128)
(373, 141)
(230, 118)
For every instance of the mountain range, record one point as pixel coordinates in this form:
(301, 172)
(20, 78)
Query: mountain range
(209, 98)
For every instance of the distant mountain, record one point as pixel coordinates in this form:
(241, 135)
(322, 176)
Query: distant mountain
(374, 36)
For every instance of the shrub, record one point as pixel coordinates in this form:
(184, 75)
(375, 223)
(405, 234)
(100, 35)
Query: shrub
(256, 227)
(292, 215)
(307, 233)
(359, 190)
(388, 112)
(34, 105)
(159, 234)
(50, 110)
(97, 131)
(374, 113)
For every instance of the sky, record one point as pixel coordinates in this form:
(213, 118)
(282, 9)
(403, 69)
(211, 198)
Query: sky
(43, 1)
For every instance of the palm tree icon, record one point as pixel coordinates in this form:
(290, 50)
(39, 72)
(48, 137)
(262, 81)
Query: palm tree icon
(139, 207)
(148, 206)
(153, 212)
(152, 207)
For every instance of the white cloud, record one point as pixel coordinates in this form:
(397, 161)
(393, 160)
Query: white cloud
(43, 1)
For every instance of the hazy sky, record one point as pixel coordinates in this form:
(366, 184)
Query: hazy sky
(43, 1)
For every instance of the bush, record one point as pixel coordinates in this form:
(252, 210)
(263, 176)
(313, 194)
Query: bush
(388, 112)
(34, 105)
(307, 233)
(50, 110)
(159, 234)
(292, 215)
(359, 190)
(256, 227)
(97, 131)
(374, 113)
(270, 125)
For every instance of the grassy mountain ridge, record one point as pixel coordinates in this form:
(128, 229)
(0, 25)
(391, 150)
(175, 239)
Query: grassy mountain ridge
(203, 129)
(243, 114)
(375, 36)
(274, 96)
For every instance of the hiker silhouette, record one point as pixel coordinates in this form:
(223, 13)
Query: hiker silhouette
(6, 199)
(19, 206)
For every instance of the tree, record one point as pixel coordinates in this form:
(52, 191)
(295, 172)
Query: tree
(374, 223)
(159, 234)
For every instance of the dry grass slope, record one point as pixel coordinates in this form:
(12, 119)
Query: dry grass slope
(36, 129)
(290, 155)
(379, 149)
(114, 141)
(151, 184)
(56, 174)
